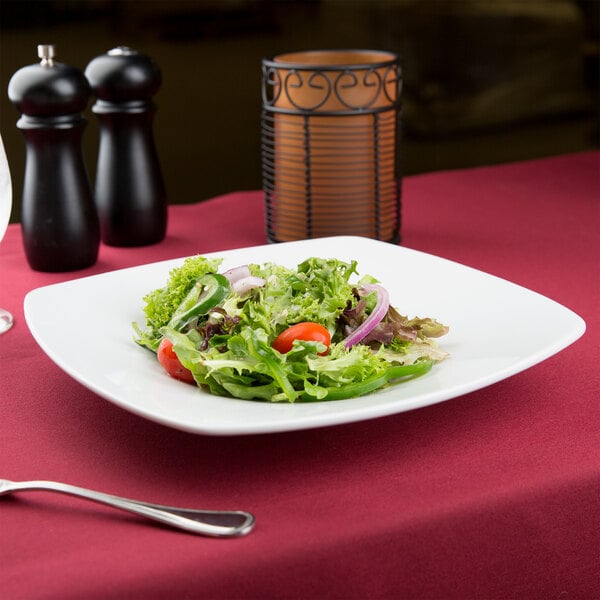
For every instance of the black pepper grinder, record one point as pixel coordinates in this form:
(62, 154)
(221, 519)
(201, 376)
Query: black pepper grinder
(58, 216)
(129, 190)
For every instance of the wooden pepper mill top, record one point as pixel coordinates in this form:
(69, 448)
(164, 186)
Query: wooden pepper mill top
(123, 77)
(49, 88)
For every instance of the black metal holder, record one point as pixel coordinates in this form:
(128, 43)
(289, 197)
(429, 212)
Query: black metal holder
(331, 145)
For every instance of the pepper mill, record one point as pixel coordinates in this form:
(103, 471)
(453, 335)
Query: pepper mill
(129, 189)
(58, 216)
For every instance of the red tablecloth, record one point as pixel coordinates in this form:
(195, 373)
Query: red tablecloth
(491, 495)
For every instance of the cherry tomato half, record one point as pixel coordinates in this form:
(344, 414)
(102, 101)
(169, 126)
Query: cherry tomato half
(170, 363)
(307, 331)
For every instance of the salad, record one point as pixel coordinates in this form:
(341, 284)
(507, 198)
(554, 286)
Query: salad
(267, 332)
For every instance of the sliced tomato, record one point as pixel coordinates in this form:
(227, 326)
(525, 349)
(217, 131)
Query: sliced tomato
(170, 363)
(307, 331)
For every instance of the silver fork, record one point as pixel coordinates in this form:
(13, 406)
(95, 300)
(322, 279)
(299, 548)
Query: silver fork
(215, 523)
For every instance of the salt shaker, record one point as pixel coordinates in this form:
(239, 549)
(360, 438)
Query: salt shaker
(58, 216)
(129, 188)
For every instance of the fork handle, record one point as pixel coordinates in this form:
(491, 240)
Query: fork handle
(215, 523)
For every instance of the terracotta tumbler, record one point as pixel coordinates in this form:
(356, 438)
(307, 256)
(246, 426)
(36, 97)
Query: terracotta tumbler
(331, 144)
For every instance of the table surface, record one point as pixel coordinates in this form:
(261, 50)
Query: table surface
(494, 494)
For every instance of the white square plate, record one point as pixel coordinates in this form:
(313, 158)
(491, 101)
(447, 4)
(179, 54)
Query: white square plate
(497, 329)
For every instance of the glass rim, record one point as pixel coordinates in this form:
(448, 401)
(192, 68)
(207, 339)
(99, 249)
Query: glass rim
(307, 59)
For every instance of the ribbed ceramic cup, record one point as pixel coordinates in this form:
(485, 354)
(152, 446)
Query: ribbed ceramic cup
(331, 144)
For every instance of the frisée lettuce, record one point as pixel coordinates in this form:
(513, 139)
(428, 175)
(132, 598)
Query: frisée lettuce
(223, 328)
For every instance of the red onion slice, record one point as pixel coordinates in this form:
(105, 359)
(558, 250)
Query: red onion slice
(380, 310)
(245, 284)
(237, 273)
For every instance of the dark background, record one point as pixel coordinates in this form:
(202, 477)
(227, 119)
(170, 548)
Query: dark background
(485, 81)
